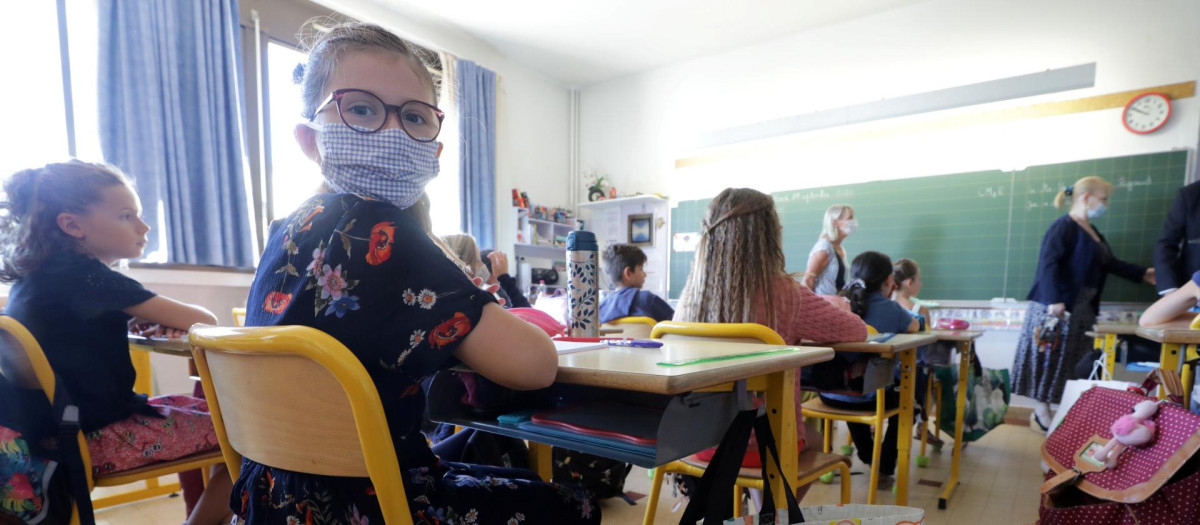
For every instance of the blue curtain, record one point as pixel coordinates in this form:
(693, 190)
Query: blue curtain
(171, 118)
(477, 171)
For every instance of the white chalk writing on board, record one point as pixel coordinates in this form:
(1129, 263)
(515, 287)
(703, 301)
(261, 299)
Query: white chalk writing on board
(815, 195)
(1126, 184)
(993, 192)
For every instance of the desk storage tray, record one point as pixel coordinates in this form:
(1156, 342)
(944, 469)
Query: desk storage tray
(680, 425)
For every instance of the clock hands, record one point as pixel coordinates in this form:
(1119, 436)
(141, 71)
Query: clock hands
(1131, 108)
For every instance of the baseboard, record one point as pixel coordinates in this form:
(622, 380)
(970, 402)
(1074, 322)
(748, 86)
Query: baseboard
(1018, 416)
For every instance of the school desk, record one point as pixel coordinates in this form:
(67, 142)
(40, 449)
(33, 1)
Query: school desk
(1105, 335)
(635, 371)
(1178, 347)
(964, 340)
(903, 346)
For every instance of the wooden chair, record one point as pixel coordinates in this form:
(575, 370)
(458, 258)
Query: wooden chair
(316, 412)
(812, 464)
(817, 409)
(637, 327)
(25, 365)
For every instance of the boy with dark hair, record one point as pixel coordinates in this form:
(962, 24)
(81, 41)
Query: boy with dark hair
(625, 265)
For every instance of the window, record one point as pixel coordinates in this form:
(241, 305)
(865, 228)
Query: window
(294, 177)
(35, 130)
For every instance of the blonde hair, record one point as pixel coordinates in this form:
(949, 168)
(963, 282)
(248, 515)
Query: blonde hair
(829, 229)
(1085, 185)
(739, 256)
(465, 249)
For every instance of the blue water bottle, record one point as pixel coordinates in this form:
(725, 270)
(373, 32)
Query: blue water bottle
(583, 272)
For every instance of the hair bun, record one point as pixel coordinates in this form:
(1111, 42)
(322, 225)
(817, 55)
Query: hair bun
(1069, 190)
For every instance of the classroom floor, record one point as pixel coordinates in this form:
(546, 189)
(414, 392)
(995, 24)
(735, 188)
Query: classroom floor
(999, 478)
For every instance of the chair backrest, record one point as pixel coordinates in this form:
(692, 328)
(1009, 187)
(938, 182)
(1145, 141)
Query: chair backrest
(295, 398)
(22, 361)
(638, 327)
(24, 364)
(733, 332)
(239, 316)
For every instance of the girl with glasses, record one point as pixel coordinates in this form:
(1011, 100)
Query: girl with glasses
(360, 264)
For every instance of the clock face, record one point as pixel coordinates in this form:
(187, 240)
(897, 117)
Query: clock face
(1147, 113)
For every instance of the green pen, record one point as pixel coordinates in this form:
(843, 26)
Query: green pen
(699, 360)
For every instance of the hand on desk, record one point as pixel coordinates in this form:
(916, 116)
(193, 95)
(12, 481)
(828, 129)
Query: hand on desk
(156, 330)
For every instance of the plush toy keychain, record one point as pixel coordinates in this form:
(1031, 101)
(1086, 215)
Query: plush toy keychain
(1130, 430)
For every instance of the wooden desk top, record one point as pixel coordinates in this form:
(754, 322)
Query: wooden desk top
(175, 347)
(957, 336)
(1176, 331)
(898, 343)
(1116, 328)
(636, 368)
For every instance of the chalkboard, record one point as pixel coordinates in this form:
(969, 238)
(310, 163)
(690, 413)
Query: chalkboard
(975, 235)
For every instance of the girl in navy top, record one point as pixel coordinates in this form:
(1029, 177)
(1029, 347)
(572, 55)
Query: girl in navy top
(1073, 264)
(360, 264)
(871, 284)
(66, 225)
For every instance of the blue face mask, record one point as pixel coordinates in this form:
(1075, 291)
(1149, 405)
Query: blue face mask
(1097, 212)
(387, 164)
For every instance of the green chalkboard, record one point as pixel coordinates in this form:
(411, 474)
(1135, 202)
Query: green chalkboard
(975, 235)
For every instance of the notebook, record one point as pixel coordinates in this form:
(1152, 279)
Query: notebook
(570, 347)
(605, 420)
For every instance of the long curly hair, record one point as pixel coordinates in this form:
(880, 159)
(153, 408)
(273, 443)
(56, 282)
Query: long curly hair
(33, 200)
(739, 256)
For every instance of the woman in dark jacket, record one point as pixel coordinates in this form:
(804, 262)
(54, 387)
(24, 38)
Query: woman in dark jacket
(1073, 265)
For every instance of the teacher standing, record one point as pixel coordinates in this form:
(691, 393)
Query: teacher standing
(1072, 266)
(827, 268)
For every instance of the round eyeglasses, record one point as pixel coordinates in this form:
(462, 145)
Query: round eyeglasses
(366, 113)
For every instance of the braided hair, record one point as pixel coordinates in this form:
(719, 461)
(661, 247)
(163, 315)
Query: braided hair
(739, 255)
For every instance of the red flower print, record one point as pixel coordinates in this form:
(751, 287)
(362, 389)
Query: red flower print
(382, 237)
(277, 302)
(21, 489)
(7, 434)
(450, 331)
(308, 218)
(411, 390)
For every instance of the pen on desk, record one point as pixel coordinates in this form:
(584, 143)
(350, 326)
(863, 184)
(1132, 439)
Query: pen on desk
(589, 339)
(634, 343)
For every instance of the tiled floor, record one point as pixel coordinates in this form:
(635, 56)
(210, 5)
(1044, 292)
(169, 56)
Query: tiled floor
(1000, 476)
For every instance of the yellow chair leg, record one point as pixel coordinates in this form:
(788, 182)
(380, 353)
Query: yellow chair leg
(877, 447)
(845, 470)
(652, 499)
(828, 437)
(737, 501)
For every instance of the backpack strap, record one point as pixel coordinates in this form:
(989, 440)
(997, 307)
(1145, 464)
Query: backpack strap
(66, 414)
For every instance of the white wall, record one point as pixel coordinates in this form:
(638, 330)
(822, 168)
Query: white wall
(634, 128)
(531, 114)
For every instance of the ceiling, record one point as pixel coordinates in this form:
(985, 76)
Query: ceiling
(583, 42)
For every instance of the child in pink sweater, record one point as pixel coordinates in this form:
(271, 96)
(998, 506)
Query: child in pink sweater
(738, 276)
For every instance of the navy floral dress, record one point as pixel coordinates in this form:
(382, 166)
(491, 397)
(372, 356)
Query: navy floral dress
(365, 272)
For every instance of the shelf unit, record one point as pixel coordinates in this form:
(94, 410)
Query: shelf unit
(539, 243)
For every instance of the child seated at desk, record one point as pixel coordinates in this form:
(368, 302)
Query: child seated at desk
(872, 282)
(738, 277)
(907, 277)
(66, 225)
(625, 265)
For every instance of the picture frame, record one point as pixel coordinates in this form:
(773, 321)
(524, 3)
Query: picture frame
(641, 229)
